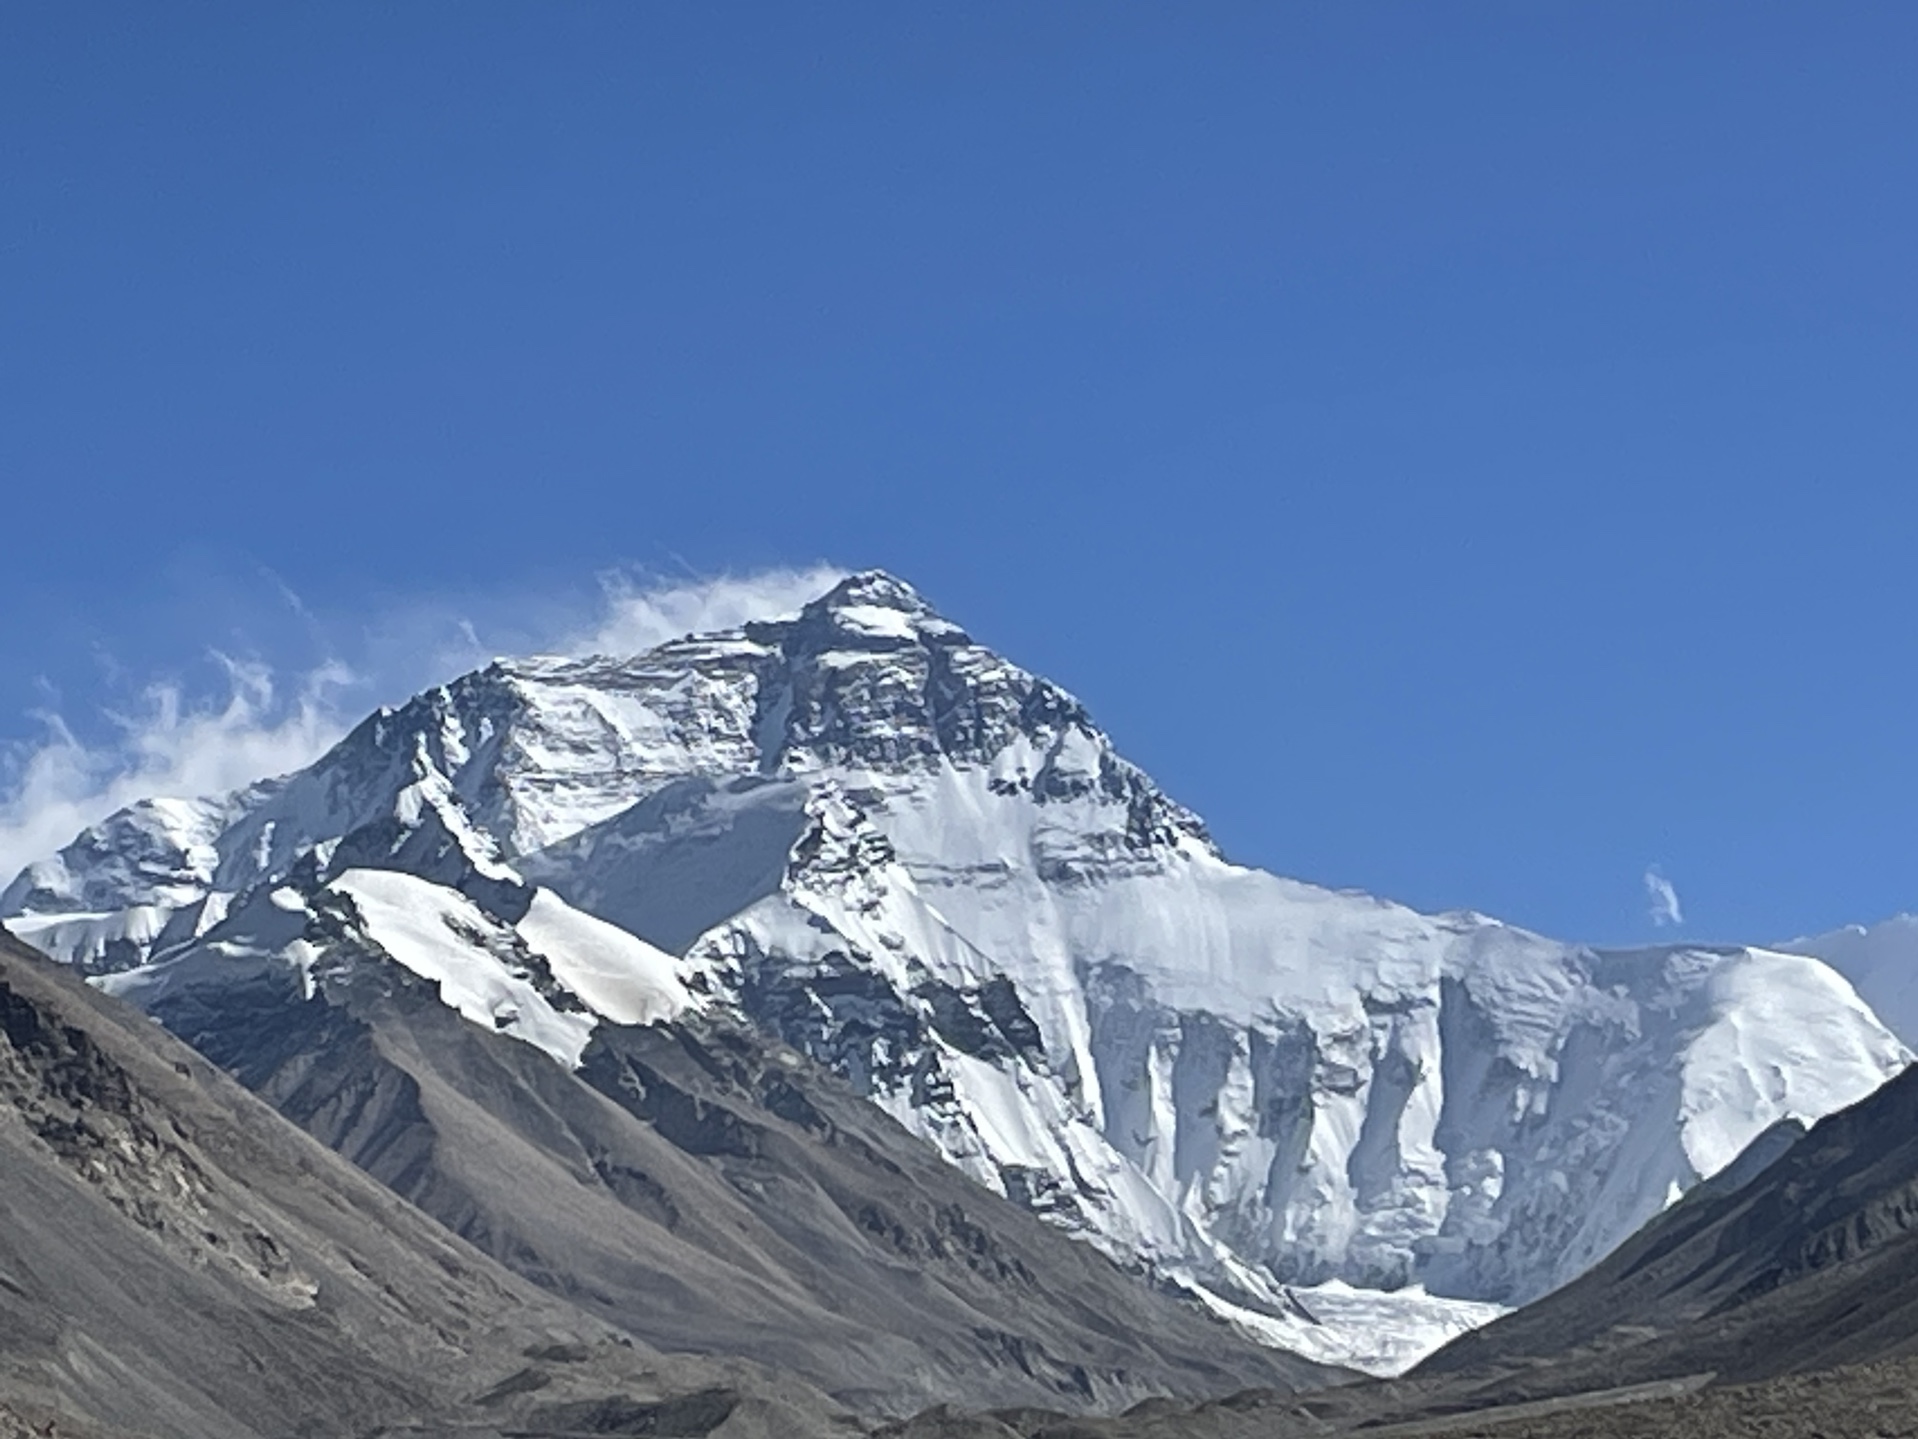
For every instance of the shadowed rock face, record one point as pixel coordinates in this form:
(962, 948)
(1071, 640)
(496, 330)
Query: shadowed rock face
(178, 1260)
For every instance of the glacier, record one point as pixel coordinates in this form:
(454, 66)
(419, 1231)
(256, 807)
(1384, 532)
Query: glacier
(1353, 1128)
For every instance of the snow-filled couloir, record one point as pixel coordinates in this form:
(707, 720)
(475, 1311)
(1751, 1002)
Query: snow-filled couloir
(1354, 1127)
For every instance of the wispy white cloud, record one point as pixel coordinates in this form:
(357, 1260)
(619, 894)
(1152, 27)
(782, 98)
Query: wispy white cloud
(642, 613)
(170, 744)
(1662, 896)
(257, 720)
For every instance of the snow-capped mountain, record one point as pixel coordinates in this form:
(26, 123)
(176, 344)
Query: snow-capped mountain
(1355, 1128)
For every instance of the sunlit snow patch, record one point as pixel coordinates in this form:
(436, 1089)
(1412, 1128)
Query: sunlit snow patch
(1789, 1038)
(437, 933)
(617, 974)
(1882, 961)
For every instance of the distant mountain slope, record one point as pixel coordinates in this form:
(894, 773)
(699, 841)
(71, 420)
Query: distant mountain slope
(896, 852)
(179, 1261)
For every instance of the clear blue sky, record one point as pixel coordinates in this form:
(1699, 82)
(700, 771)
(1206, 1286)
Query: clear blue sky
(1465, 451)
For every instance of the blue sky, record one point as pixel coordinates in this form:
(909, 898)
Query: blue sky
(1464, 451)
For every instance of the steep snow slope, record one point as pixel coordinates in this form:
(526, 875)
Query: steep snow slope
(927, 868)
(1881, 959)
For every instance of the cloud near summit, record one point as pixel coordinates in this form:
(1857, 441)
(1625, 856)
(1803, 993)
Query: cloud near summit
(640, 615)
(1662, 896)
(169, 743)
(259, 719)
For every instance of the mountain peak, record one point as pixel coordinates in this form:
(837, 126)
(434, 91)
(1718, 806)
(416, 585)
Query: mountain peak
(877, 588)
(874, 609)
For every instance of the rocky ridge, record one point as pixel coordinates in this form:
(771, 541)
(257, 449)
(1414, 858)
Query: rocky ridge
(179, 1262)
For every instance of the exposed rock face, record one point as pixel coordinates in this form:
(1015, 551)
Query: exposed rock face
(88, 1112)
(916, 863)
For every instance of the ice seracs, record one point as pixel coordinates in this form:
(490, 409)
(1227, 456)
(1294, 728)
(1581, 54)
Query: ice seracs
(859, 829)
